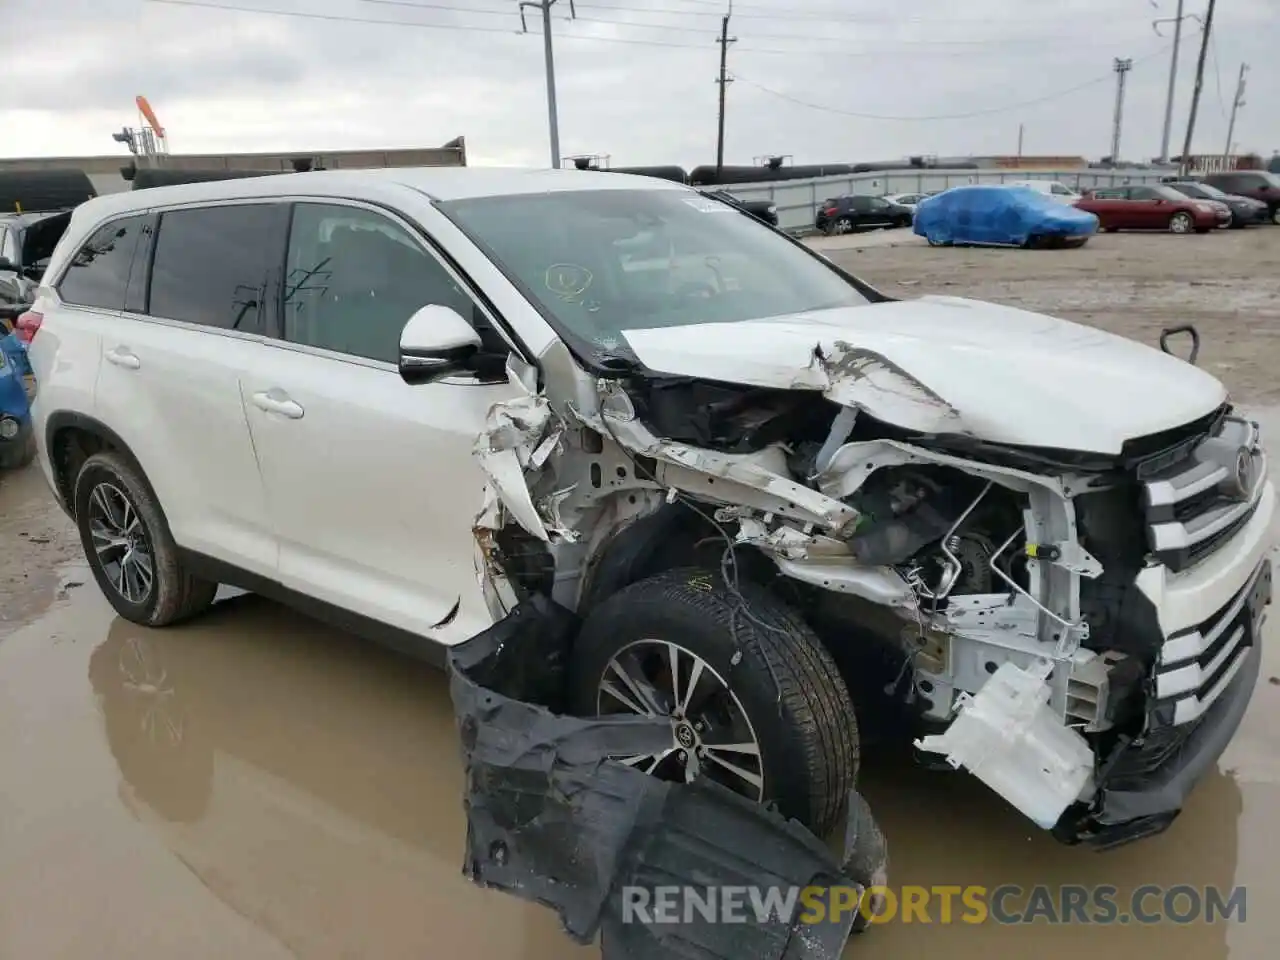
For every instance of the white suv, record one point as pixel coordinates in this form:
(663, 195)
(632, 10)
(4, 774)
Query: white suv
(411, 399)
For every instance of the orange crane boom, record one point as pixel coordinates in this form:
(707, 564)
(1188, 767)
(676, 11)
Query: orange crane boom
(144, 107)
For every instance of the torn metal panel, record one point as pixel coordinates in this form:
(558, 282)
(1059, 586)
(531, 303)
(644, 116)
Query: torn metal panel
(550, 818)
(737, 478)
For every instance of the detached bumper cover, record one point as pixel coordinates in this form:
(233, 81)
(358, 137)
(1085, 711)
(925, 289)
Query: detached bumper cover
(550, 819)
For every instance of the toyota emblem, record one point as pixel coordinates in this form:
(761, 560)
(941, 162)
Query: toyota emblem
(1242, 481)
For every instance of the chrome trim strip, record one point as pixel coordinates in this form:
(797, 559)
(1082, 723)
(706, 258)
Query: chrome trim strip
(1193, 644)
(1194, 707)
(1193, 676)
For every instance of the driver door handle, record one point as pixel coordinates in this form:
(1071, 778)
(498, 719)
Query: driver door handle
(123, 357)
(276, 400)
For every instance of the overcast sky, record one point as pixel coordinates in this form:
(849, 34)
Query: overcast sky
(635, 77)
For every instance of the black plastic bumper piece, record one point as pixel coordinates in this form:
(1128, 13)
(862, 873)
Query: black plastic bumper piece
(18, 451)
(552, 820)
(1127, 809)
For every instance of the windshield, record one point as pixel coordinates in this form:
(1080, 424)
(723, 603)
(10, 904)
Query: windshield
(597, 262)
(1200, 190)
(1168, 193)
(1271, 178)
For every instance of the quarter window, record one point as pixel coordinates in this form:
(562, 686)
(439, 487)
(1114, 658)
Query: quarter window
(353, 278)
(211, 263)
(99, 272)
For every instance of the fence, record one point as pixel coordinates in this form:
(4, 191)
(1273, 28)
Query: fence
(798, 200)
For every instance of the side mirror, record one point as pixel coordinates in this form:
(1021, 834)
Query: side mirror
(9, 265)
(436, 343)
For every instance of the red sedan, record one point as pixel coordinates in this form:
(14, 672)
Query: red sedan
(1149, 207)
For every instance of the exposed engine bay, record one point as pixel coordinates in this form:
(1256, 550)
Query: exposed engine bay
(958, 560)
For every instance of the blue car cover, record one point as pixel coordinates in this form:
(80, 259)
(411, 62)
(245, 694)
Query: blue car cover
(991, 213)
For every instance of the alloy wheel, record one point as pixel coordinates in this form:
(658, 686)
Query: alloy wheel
(120, 543)
(1181, 223)
(711, 734)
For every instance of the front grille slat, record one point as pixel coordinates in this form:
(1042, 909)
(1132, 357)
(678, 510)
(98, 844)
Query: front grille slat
(1196, 666)
(1194, 506)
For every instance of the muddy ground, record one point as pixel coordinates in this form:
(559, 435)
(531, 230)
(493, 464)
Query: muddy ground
(260, 785)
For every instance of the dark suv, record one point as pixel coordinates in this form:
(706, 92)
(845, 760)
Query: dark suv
(1257, 184)
(26, 243)
(846, 214)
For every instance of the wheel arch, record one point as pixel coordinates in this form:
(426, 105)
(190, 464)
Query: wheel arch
(672, 536)
(70, 439)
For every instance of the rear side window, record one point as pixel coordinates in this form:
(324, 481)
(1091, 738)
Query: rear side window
(211, 265)
(98, 274)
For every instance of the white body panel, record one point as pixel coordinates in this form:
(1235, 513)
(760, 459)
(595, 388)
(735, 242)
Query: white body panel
(183, 419)
(1011, 376)
(373, 489)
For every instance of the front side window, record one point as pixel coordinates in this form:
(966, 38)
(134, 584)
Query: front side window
(211, 263)
(353, 279)
(878, 203)
(597, 262)
(98, 274)
(1059, 190)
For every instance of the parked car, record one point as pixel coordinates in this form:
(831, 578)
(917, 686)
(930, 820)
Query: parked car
(765, 210)
(1152, 207)
(17, 444)
(999, 215)
(26, 243)
(758, 482)
(1243, 210)
(847, 214)
(1050, 188)
(1260, 185)
(908, 200)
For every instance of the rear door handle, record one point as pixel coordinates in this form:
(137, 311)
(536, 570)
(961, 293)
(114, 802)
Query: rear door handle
(276, 400)
(123, 357)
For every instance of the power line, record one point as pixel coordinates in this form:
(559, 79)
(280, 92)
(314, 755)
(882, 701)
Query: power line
(880, 52)
(1105, 78)
(789, 14)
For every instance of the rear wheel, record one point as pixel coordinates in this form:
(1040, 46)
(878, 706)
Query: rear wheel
(1275, 215)
(1181, 223)
(130, 550)
(754, 699)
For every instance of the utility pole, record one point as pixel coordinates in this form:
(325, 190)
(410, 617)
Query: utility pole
(1019, 141)
(1195, 93)
(723, 80)
(552, 117)
(1173, 80)
(1235, 108)
(1122, 68)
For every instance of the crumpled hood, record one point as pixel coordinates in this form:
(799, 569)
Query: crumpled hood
(952, 365)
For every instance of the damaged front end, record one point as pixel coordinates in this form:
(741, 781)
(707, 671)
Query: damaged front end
(1078, 630)
(556, 816)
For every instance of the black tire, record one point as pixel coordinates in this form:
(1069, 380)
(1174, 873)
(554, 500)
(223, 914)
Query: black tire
(805, 726)
(1181, 222)
(174, 594)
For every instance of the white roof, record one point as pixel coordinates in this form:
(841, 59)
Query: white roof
(437, 183)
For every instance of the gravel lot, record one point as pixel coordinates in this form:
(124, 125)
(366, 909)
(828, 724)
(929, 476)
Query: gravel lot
(1226, 283)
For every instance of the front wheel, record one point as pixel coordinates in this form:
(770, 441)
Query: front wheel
(130, 550)
(1181, 223)
(1275, 215)
(754, 699)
